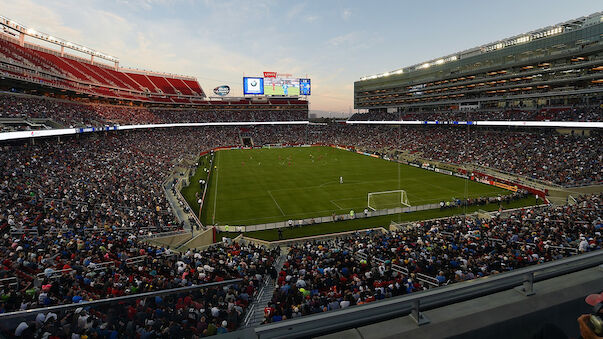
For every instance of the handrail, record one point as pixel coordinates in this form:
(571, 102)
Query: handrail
(54, 274)
(258, 296)
(398, 306)
(9, 281)
(22, 231)
(134, 260)
(58, 308)
(162, 234)
(401, 269)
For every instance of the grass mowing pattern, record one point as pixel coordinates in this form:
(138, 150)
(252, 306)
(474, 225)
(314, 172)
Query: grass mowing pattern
(383, 221)
(257, 186)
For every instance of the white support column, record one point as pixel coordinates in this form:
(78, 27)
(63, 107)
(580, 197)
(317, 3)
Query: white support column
(21, 39)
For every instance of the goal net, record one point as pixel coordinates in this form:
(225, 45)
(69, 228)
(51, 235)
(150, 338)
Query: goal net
(387, 199)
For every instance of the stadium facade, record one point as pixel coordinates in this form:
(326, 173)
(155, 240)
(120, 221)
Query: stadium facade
(557, 65)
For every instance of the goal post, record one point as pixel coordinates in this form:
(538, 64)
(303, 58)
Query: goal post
(387, 199)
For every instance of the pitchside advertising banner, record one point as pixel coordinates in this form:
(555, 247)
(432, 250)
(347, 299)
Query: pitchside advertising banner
(277, 84)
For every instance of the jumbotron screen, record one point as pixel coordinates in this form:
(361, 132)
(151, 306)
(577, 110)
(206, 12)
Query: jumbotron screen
(280, 84)
(304, 87)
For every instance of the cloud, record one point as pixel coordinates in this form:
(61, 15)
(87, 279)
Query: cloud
(346, 14)
(311, 18)
(342, 39)
(296, 10)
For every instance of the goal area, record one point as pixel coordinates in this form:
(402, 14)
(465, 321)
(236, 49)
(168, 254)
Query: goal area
(387, 199)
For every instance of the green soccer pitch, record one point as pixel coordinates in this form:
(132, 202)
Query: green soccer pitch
(258, 186)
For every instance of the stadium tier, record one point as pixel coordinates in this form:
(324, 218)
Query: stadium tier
(81, 114)
(561, 113)
(28, 62)
(556, 66)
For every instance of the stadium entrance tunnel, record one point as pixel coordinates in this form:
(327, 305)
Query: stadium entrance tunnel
(247, 142)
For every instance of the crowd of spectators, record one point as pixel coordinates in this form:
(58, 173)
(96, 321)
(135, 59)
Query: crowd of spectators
(573, 113)
(66, 268)
(563, 159)
(72, 212)
(102, 181)
(71, 113)
(114, 180)
(79, 205)
(320, 276)
(74, 114)
(66, 113)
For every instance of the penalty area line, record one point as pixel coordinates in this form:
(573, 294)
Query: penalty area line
(334, 203)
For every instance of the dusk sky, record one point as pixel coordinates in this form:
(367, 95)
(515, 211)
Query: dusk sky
(333, 42)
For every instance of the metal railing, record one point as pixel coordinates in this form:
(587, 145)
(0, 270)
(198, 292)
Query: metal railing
(257, 297)
(10, 281)
(163, 234)
(416, 302)
(24, 231)
(429, 280)
(115, 300)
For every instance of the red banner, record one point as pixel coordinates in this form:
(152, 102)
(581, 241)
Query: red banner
(269, 74)
(540, 193)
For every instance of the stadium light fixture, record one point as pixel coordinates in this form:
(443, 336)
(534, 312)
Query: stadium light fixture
(42, 36)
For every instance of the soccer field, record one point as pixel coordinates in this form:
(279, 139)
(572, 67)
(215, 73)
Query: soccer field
(257, 186)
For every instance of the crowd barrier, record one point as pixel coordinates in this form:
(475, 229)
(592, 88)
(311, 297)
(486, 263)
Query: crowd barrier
(324, 219)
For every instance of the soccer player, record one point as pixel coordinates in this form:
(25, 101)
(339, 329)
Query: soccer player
(286, 88)
(341, 180)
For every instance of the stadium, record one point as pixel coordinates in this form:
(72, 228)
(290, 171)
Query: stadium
(462, 198)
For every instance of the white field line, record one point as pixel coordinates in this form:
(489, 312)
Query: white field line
(216, 193)
(334, 203)
(279, 208)
(415, 203)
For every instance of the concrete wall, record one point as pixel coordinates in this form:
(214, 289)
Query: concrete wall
(171, 241)
(203, 239)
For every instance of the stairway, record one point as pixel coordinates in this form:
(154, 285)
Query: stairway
(255, 316)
